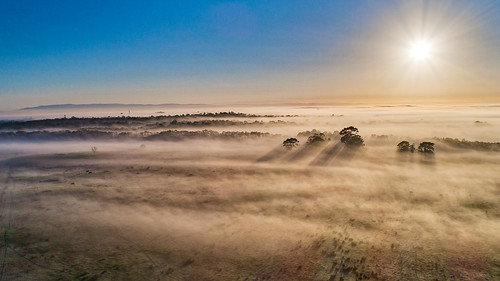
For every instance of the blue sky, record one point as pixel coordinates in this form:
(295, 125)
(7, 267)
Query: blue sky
(221, 51)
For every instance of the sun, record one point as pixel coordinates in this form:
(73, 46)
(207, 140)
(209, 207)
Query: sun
(420, 50)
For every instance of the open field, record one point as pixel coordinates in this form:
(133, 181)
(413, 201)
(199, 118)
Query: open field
(219, 206)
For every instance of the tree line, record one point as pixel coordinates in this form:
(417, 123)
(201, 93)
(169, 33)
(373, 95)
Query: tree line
(350, 137)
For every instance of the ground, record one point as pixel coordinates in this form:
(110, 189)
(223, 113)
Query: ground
(248, 210)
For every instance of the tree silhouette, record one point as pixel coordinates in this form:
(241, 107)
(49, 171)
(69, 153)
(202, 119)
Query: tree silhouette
(349, 131)
(290, 143)
(354, 141)
(316, 138)
(405, 146)
(426, 147)
(350, 137)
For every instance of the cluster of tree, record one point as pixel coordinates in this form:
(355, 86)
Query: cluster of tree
(349, 136)
(223, 123)
(85, 134)
(327, 135)
(317, 138)
(126, 123)
(228, 114)
(175, 135)
(81, 134)
(75, 122)
(475, 145)
(222, 114)
(423, 147)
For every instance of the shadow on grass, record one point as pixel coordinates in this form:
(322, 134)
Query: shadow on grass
(305, 152)
(327, 155)
(274, 155)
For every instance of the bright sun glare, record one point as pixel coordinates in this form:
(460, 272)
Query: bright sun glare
(420, 50)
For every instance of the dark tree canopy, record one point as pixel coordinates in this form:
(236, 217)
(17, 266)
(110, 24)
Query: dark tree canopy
(353, 140)
(349, 131)
(426, 147)
(316, 138)
(291, 143)
(350, 137)
(405, 146)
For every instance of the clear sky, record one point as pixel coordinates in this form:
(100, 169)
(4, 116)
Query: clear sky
(309, 51)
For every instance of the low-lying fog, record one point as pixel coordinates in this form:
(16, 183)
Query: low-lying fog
(247, 208)
(477, 123)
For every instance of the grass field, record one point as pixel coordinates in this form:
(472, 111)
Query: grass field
(248, 210)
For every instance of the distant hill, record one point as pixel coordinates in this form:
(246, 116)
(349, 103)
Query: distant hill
(106, 105)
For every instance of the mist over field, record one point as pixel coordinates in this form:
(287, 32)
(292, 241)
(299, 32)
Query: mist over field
(212, 194)
(250, 140)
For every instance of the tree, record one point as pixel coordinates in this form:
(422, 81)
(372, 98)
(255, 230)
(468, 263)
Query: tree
(350, 137)
(354, 141)
(405, 146)
(316, 138)
(426, 147)
(290, 143)
(349, 131)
